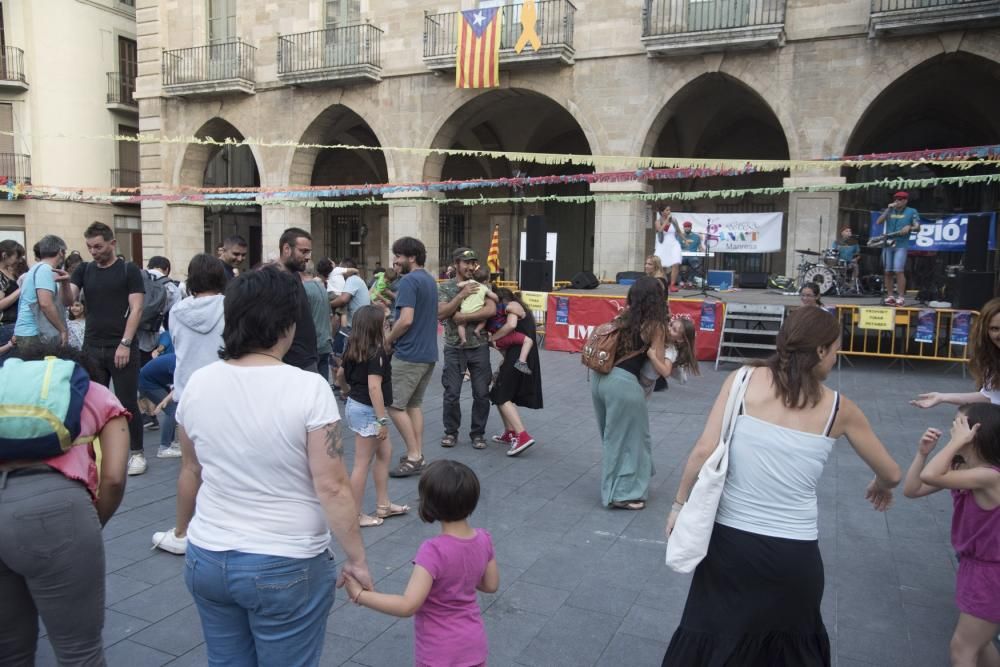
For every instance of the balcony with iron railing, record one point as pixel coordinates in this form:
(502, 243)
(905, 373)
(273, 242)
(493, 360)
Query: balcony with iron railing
(15, 168)
(908, 17)
(350, 54)
(123, 181)
(12, 69)
(227, 67)
(121, 92)
(679, 27)
(554, 25)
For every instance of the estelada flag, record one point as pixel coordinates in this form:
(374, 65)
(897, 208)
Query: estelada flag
(493, 256)
(477, 62)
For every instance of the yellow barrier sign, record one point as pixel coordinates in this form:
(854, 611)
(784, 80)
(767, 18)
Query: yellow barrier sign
(880, 319)
(535, 300)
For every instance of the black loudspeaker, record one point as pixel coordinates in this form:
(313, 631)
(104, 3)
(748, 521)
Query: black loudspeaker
(534, 238)
(536, 275)
(977, 238)
(974, 289)
(753, 280)
(584, 280)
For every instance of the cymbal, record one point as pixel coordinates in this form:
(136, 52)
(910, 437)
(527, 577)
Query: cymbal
(807, 252)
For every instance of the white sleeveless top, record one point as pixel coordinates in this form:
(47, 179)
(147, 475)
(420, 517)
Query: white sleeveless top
(773, 471)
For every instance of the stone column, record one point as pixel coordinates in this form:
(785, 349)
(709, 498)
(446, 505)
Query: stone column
(176, 231)
(619, 230)
(805, 209)
(274, 220)
(419, 219)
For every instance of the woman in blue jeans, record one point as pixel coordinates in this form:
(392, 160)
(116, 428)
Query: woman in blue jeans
(156, 380)
(263, 441)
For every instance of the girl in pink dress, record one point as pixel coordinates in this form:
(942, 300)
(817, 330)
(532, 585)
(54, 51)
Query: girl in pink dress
(969, 465)
(448, 628)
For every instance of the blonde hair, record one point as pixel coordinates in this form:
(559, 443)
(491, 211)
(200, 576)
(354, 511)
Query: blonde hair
(657, 265)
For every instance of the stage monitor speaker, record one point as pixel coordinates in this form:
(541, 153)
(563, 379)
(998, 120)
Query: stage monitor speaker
(753, 280)
(534, 238)
(974, 289)
(536, 275)
(977, 239)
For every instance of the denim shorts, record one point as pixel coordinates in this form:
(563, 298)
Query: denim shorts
(361, 418)
(894, 259)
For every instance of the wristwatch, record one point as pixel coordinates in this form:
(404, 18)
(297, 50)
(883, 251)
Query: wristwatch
(125, 342)
(382, 421)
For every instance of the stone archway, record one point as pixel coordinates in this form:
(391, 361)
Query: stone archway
(718, 116)
(523, 120)
(357, 232)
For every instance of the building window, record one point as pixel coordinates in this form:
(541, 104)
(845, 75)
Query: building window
(452, 234)
(342, 12)
(221, 21)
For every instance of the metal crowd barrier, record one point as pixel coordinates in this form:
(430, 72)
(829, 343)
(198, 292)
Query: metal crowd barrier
(900, 343)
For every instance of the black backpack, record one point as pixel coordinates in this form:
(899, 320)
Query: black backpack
(584, 280)
(155, 304)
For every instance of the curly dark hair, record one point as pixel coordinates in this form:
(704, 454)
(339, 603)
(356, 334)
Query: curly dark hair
(647, 311)
(984, 356)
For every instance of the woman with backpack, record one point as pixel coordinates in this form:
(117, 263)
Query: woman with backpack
(52, 507)
(620, 402)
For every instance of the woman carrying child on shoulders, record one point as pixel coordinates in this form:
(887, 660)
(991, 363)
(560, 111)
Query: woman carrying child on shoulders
(519, 380)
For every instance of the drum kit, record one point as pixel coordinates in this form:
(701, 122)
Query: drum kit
(833, 275)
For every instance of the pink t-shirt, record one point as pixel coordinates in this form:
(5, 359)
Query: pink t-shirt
(448, 627)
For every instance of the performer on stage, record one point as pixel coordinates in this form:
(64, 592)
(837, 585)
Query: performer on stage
(667, 247)
(848, 251)
(899, 221)
(690, 242)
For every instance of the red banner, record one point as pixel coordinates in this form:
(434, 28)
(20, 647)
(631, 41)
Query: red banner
(569, 319)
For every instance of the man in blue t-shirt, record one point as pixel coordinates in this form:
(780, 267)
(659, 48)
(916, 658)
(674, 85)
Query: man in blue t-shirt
(848, 251)
(39, 296)
(413, 339)
(900, 220)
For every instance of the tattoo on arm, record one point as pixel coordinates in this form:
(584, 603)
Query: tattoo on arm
(334, 442)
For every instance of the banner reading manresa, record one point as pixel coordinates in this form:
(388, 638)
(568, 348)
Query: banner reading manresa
(736, 232)
(943, 234)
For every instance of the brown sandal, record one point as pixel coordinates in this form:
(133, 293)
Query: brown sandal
(386, 511)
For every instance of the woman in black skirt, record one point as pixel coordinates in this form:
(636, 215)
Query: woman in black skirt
(755, 598)
(513, 388)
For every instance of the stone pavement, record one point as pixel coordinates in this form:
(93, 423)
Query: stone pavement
(581, 584)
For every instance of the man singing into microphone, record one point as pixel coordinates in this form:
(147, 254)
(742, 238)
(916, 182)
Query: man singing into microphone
(899, 221)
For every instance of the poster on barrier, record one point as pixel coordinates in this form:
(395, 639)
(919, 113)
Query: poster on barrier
(562, 310)
(926, 324)
(535, 301)
(569, 320)
(960, 327)
(706, 340)
(707, 322)
(879, 319)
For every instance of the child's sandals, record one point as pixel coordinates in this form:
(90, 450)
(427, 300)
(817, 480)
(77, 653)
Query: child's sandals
(385, 511)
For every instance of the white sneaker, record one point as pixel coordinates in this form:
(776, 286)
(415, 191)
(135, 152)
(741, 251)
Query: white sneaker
(136, 463)
(171, 452)
(168, 541)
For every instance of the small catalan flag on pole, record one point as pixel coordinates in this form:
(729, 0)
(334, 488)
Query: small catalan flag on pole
(493, 256)
(477, 63)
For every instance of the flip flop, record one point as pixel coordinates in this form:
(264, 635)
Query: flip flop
(629, 505)
(386, 511)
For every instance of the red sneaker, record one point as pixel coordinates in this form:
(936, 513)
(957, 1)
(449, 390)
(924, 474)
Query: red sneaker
(520, 443)
(673, 288)
(506, 438)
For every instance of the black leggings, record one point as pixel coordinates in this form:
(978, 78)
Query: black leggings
(126, 384)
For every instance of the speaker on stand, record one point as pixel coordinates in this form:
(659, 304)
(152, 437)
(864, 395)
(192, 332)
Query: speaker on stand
(974, 289)
(534, 238)
(536, 275)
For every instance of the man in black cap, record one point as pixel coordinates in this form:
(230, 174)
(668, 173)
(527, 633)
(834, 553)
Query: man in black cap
(473, 355)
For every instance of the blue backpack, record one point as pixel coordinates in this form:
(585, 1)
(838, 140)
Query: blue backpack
(41, 403)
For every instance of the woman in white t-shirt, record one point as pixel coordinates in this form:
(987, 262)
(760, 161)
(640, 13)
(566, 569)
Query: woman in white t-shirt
(984, 363)
(264, 438)
(666, 246)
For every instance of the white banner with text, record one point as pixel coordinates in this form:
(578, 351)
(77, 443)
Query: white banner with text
(736, 232)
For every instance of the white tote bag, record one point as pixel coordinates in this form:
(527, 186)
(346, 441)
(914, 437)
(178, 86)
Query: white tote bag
(688, 543)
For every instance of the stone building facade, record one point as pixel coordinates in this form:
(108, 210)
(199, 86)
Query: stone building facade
(67, 75)
(778, 79)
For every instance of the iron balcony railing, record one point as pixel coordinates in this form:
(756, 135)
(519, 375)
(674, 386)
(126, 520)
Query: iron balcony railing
(124, 178)
(349, 46)
(554, 26)
(121, 89)
(15, 168)
(903, 5)
(12, 64)
(204, 64)
(669, 17)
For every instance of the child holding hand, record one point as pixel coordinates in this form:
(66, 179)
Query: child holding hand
(447, 572)
(969, 465)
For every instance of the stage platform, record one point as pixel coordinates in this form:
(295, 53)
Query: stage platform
(752, 296)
